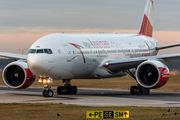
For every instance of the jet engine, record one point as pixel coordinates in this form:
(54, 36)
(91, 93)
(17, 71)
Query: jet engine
(152, 74)
(17, 75)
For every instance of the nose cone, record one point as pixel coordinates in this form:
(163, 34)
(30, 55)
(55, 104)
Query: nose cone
(35, 63)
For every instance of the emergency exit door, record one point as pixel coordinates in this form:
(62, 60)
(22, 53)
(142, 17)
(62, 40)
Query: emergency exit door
(68, 53)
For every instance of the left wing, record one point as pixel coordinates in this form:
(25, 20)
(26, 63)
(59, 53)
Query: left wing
(125, 64)
(13, 56)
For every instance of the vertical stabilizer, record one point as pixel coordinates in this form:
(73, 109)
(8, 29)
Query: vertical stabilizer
(146, 27)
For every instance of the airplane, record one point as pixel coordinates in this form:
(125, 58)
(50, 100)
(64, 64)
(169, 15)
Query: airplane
(92, 56)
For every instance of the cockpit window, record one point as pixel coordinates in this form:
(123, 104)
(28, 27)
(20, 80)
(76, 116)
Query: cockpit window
(33, 51)
(30, 51)
(46, 51)
(50, 51)
(38, 51)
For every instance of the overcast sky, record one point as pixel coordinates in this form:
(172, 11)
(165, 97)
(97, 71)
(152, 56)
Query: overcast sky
(27, 20)
(87, 14)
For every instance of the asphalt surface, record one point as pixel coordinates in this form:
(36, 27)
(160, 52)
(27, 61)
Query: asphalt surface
(92, 97)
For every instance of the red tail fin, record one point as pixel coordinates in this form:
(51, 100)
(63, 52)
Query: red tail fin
(146, 27)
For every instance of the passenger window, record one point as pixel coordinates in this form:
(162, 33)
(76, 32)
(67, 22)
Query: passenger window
(40, 51)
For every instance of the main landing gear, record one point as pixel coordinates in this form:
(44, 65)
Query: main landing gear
(67, 88)
(137, 89)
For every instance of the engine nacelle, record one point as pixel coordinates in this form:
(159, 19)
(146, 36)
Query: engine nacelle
(17, 75)
(152, 74)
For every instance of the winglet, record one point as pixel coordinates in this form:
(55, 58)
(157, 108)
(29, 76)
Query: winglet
(146, 27)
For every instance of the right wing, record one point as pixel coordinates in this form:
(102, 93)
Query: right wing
(125, 64)
(13, 56)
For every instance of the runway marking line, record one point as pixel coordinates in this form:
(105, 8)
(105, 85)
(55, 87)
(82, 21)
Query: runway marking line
(107, 114)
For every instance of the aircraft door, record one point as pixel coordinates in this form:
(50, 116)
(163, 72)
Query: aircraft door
(68, 55)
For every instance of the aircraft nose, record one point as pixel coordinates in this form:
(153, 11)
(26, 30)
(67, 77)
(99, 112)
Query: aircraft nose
(35, 63)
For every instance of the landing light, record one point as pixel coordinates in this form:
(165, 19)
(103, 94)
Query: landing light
(44, 81)
(40, 80)
(107, 63)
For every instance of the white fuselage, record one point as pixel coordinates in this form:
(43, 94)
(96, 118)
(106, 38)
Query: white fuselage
(81, 55)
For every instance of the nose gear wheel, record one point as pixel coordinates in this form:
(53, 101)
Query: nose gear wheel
(48, 92)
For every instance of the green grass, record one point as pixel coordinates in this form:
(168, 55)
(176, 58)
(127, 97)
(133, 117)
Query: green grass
(48, 111)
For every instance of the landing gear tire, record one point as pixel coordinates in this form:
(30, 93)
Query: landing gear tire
(74, 90)
(139, 90)
(44, 93)
(147, 91)
(132, 90)
(66, 90)
(59, 88)
(48, 93)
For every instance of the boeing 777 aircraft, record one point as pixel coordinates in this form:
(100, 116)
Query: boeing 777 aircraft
(91, 56)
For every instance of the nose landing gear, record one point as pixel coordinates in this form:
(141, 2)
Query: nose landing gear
(67, 88)
(47, 92)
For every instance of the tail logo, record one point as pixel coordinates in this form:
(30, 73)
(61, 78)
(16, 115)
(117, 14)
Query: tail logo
(152, 1)
(146, 27)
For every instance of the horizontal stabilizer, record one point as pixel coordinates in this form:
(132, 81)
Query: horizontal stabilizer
(167, 46)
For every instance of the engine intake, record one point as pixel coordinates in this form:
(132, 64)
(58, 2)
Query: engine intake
(152, 74)
(16, 75)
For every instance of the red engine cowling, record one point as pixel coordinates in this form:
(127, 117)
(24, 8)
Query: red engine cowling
(17, 75)
(152, 74)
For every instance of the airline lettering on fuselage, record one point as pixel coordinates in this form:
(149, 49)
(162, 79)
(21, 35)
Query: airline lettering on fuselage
(145, 54)
(99, 44)
(92, 44)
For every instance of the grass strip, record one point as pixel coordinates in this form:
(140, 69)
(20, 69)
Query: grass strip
(49, 111)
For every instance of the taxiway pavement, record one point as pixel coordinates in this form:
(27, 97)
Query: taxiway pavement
(92, 97)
